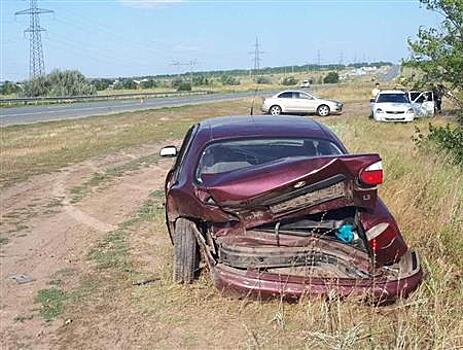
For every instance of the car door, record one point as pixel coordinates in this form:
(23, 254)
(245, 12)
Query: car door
(423, 103)
(285, 100)
(304, 103)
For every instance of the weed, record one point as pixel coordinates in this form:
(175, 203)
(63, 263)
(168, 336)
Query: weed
(3, 240)
(52, 302)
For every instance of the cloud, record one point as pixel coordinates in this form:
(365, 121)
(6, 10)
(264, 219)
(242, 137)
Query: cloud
(149, 3)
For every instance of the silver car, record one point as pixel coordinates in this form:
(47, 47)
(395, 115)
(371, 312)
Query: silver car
(299, 102)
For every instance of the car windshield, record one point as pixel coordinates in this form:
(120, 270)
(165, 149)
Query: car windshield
(394, 98)
(221, 157)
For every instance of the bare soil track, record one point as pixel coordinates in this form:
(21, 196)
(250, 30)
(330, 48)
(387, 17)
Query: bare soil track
(47, 235)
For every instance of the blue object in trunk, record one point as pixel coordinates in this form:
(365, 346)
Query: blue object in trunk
(345, 233)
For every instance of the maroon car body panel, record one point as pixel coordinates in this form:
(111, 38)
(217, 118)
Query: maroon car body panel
(229, 204)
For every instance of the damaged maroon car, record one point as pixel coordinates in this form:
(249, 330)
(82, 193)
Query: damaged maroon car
(278, 207)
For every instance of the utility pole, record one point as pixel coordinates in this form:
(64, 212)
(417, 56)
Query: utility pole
(36, 60)
(341, 58)
(256, 52)
(190, 64)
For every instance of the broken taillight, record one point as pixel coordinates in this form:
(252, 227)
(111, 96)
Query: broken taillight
(372, 175)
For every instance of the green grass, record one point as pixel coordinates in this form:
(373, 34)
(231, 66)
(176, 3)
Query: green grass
(52, 302)
(3, 240)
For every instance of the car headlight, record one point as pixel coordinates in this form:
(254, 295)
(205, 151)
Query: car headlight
(410, 110)
(379, 110)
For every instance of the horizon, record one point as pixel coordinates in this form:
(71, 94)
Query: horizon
(128, 38)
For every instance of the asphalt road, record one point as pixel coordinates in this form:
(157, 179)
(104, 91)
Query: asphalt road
(393, 73)
(35, 114)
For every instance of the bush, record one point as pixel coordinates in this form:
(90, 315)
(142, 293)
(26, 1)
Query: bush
(331, 78)
(229, 80)
(184, 87)
(9, 88)
(128, 84)
(59, 83)
(175, 83)
(449, 139)
(263, 80)
(287, 81)
(149, 84)
(199, 80)
(101, 84)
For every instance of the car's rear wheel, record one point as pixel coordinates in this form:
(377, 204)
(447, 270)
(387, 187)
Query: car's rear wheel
(186, 260)
(275, 110)
(323, 110)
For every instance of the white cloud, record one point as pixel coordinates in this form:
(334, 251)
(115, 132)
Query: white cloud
(149, 3)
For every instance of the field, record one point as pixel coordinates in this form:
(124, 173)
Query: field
(82, 214)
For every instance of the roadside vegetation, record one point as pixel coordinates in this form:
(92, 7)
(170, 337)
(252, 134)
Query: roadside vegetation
(127, 289)
(437, 56)
(132, 273)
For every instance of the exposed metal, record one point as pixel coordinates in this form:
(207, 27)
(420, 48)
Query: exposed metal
(36, 60)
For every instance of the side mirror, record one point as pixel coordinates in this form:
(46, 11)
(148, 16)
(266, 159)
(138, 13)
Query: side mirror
(372, 100)
(168, 151)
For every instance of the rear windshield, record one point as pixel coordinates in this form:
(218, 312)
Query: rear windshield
(394, 98)
(221, 157)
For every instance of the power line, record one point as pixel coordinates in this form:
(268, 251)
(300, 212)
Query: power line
(36, 60)
(190, 64)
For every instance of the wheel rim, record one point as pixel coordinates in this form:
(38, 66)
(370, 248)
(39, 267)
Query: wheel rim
(275, 110)
(323, 111)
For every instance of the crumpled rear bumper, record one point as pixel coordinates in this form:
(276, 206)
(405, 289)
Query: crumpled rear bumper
(251, 283)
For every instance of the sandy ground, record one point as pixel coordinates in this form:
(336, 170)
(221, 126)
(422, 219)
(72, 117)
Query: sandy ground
(48, 234)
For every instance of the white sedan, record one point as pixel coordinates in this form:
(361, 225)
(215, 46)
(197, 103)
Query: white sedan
(393, 106)
(299, 102)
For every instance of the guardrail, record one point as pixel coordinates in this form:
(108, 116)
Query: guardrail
(68, 99)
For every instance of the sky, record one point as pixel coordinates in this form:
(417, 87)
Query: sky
(118, 38)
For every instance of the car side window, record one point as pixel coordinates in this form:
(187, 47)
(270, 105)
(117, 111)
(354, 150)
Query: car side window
(286, 95)
(305, 96)
(183, 151)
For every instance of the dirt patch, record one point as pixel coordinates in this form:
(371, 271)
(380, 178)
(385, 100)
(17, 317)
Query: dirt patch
(55, 235)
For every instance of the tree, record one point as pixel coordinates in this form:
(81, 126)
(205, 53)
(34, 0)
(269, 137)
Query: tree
(184, 86)
(59, 83)
(263, 80)
(288, 81)
(229, 80)
(101, 84)
(331, 78)
(149, 84)
(438, 52)
(9, 88)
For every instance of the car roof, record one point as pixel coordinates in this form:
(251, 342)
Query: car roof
(301, 91)
(263, 126)
(392, 92)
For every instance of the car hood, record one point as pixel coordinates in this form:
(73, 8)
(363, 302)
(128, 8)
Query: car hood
(393, 106)
(291, 186)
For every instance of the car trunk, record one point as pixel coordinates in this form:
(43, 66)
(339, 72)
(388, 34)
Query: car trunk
(328, 244)
(298, 217)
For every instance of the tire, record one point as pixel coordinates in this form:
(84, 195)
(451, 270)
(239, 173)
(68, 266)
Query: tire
(275, 110)
(323, 110)
(186, 259)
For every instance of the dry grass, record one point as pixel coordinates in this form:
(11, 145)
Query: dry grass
(423, 191)
(45, 147)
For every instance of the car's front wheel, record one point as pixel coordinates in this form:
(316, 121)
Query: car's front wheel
(275, 110)
(323, 110)
(186, 259)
